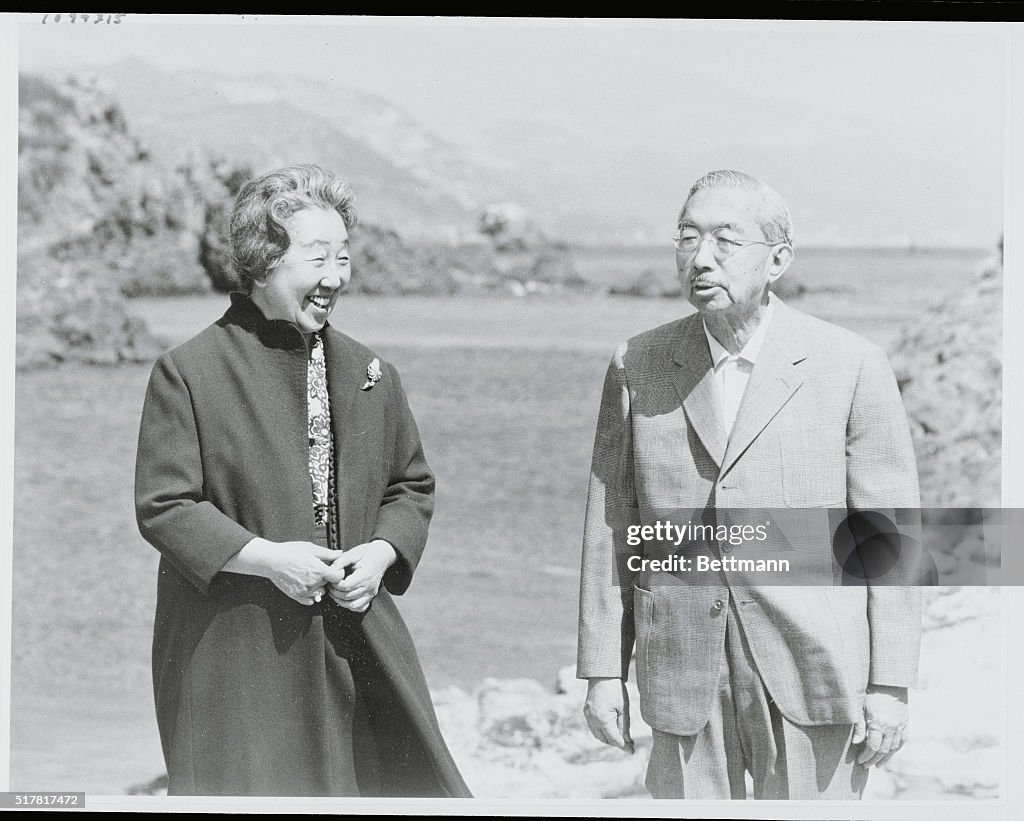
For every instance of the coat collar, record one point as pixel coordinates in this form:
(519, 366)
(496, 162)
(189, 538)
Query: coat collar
(773, 382)
(345, 371)
(274, 333)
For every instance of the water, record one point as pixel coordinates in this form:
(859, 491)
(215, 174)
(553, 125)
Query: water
(505, 393)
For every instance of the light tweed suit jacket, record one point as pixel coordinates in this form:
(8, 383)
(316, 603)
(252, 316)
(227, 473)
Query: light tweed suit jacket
(821, 428)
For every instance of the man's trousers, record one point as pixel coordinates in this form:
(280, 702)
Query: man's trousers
(747, 733)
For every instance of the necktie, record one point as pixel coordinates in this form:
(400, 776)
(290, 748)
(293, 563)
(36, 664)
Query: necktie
(319, 431)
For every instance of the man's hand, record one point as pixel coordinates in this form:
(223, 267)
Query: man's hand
(367, 563)
(883, 725)
(607, 712)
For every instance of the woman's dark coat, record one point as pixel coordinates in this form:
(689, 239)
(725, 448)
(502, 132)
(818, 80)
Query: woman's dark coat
(242, 673)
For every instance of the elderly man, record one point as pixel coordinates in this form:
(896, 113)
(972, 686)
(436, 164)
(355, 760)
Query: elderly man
(746, 404)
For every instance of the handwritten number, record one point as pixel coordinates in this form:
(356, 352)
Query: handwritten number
(84, 18)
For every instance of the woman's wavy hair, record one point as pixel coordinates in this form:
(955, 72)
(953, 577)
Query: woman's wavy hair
(263, 207)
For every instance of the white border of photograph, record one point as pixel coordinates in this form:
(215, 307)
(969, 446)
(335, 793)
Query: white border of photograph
(1012, 792)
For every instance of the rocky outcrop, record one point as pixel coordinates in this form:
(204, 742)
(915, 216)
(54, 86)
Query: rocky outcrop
(71, 313)
(518, 739)
(384, 264)
(88, 190)
(949, 368)
(510, 227)
(99, 219)
(652, 283)
(524, 259)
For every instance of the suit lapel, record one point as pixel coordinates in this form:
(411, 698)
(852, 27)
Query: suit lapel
(695, 384)
(773, 382)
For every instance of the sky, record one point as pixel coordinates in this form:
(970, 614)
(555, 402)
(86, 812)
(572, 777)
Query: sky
(884, 131)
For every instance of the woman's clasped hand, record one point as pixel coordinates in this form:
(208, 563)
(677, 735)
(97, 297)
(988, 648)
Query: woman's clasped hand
(306, 572)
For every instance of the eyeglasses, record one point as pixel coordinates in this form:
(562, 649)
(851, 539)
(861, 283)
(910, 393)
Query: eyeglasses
(689, 242)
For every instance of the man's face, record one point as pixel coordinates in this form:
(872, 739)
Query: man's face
(728, 280)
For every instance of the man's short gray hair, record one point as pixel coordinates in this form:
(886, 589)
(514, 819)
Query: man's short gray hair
(774, 219)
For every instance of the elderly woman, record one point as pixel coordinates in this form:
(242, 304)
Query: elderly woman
(281, 477)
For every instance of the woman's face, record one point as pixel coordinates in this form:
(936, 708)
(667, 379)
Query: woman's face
(304, 286)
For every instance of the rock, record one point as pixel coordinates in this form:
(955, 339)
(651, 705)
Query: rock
(383, 264)
(553, 265)
(529, 741)
(99, 219)
(882, 785)
(544, 268)
(665, 284)
(70, 313)
(941, 772)
(526, 261)
(89, 191)
(949, 369)
(510, 227)
(470, 266)
(515, 713)
(566, 683)
(650, 284)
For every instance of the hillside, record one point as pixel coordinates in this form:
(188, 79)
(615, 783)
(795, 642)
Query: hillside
(406, 177)
(949, 367)
(101, 217)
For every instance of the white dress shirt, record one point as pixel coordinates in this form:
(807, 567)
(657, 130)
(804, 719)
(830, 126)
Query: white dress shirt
(732, 371)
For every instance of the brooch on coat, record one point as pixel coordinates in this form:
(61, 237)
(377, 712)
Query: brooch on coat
(373, 374)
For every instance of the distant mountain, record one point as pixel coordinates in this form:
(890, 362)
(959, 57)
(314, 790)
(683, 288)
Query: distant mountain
(404, 176)
(598, 131)
(375, 122)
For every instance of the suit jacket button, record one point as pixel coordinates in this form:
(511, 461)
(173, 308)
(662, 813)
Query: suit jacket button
(718, 605)
(726, 548)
